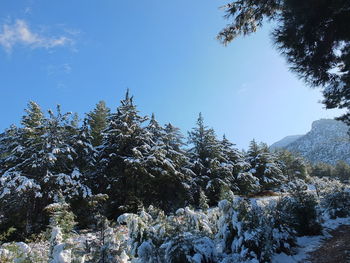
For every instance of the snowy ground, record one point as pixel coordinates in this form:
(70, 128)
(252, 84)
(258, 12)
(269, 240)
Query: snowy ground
(308, 244)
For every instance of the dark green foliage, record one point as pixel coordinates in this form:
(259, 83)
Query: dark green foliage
(303, 214)
(250, 231)
(98, 121)
(215, 163)
(280, 218)
(337, 203)
(321, 170)
(258, 239)
(120, 172)
(292, 165)
(165, 163)
(139, 164)
(342, 171)
(61, 216)
(264, 166)
(46, 158)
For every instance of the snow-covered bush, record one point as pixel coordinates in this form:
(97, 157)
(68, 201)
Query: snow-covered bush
(107, 246)
(184, 237)
(239, 229)
(248, 231)
(334, 197)
(20, 252)
(247, 183)
(337, 204)
(61, 216)
(303, 211)
(61, 223)
(60, 251)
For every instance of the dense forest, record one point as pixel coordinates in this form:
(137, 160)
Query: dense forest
(60, 174)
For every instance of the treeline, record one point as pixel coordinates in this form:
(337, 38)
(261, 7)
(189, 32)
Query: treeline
(130, 158)
(340, 171)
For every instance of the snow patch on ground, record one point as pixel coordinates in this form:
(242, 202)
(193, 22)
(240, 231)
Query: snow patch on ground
(308, 244)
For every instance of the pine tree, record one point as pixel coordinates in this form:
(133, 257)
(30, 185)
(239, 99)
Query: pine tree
(205, 159)
(42, 164)
(125, 143)
(232, 163)
(292, 165)
(164, 163)
(84, 165)
(264, 166)
(62, 222)
(98, 120)
(10, 141)
(33, 120)
(16, 183)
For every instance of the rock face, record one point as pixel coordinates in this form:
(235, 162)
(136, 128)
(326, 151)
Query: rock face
(328, 142)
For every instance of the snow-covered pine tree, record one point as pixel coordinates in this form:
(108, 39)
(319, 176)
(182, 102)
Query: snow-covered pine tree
(10, 140)
(62, 222)
(107, 247)
(85, 160)
(40, 166)
(292, 165)
(98, 121)
(125, 144)
(33, 121)
(57, 159)
(216, 163)
(174, 144)
(204, 157)
(264, 166)
(164, 165)
(19, 187)
(232, 164)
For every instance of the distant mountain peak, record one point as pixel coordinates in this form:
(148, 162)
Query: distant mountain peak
(327, 141)
(285, 141)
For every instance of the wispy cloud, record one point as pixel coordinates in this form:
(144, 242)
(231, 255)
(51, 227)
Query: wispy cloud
(65, 68)
(243, 88)
(27, 10)
(20, 33)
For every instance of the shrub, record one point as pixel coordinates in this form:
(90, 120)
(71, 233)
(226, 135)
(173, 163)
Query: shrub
(302, 209)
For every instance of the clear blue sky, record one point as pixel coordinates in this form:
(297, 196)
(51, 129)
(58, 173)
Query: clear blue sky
(76, 53)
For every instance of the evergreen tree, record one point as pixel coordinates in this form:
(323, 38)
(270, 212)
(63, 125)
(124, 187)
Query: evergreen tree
(205, 147)
(33, 121)
(342, 171)
(322, 170)
(164, 163)
(264, 166)
(98, 120)
(125, 143)
(204, 156)
(43, 164)
(215, 163)
(62, 222)
(10, 141)
(85, 161)
(232, 163)
(292, 165)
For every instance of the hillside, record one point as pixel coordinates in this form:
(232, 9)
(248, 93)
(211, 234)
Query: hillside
(327, 142)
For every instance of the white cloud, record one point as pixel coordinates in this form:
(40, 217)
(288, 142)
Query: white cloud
(20, 33)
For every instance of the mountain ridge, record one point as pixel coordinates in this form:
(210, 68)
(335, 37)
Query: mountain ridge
(327, 141)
